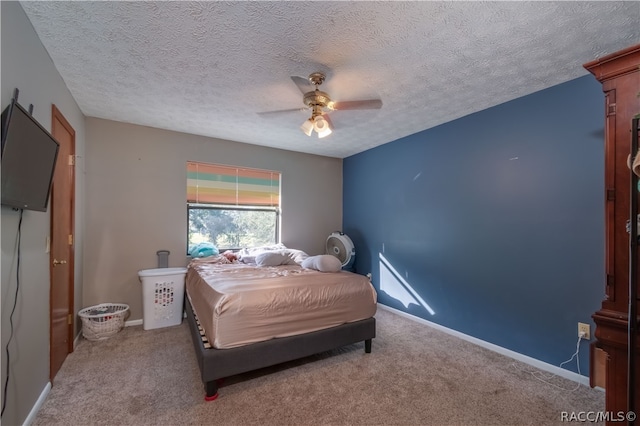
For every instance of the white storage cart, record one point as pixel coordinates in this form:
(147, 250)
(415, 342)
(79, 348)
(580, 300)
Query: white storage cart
(162, 296)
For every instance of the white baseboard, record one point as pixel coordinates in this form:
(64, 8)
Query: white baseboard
(36, 407)
(495, 348)
(132, 323)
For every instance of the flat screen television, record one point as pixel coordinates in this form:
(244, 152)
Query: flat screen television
(28, 160)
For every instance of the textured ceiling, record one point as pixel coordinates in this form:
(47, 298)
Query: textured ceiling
(208, 68)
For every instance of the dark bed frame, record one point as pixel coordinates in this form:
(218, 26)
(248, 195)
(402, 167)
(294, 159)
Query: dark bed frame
(216, 364)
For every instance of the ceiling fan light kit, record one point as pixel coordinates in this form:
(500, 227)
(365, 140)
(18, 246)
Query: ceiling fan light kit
(319, 124)
(307, 127)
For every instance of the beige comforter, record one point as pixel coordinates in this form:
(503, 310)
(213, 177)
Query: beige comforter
(238, 304)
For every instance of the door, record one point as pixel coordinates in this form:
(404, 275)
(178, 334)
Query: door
(62, 244)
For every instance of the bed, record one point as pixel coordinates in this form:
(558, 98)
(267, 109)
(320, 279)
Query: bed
(246, 316)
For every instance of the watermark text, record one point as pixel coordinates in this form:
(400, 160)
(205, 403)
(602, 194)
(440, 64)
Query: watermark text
(597, 416)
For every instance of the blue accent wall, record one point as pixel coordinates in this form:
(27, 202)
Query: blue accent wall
(492, 224)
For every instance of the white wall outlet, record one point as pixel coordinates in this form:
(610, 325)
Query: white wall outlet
(584, 330)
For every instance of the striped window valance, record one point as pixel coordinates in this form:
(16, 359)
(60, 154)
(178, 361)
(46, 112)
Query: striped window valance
(229, 185)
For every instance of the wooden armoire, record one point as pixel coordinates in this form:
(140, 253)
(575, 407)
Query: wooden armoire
(619, 74)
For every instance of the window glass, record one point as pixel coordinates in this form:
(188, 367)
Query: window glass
(230, 227)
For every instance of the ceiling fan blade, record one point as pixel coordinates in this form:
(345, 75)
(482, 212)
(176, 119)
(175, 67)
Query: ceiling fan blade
(366, 104)
(282, 111)
(303, 84)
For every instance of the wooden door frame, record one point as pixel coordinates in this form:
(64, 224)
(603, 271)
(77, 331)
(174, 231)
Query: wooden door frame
(56, 115)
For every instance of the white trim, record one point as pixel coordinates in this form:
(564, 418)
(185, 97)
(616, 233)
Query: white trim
(133, 323)
(76, 340)
(36, 407)
(495, 348)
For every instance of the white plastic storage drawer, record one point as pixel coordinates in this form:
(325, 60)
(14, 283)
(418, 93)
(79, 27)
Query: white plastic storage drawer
(162, 296)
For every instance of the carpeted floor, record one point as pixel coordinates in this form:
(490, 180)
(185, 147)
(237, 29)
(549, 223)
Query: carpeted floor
(415, 375)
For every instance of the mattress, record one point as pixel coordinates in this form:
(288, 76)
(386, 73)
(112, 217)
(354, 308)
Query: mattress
(238, 304)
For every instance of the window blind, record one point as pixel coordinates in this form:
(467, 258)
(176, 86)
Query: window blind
(229, 185)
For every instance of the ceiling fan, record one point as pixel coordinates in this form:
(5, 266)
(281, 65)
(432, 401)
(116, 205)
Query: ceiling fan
(320, 104)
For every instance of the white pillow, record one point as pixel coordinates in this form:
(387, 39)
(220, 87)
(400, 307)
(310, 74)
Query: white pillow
(255, 250)
(323, 263)
(273, 259)
(246, 258)
(297, 255)
(248, 255)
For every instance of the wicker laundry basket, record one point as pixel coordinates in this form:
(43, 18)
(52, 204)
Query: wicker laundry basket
(102, 321)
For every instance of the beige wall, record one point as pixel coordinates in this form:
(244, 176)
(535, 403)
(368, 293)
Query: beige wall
(136, 201)
(27, 66)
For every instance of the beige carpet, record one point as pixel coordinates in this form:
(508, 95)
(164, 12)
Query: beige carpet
(415, 375)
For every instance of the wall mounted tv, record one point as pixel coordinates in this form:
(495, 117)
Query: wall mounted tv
(28, 159)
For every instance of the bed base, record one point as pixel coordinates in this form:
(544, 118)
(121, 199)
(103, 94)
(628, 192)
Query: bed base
(216, 364)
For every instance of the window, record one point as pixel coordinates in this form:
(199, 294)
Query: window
(232, 207)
